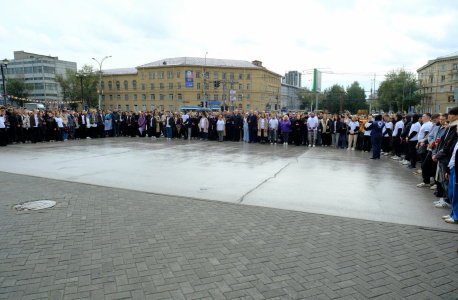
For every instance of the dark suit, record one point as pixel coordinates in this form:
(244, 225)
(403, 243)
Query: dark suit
(229, 128)
(36, 130)
(101, 125)
(253, 127)
(238, 125)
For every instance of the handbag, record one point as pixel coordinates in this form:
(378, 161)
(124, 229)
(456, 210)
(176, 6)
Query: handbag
(422, 149)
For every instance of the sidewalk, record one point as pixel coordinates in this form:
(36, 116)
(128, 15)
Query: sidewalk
(108, 243)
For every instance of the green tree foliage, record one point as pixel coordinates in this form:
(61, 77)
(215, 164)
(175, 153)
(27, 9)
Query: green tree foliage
(331, 102)
(71, 86)
(398, 91)
(354, 98)
(306, 97)
(17, 87)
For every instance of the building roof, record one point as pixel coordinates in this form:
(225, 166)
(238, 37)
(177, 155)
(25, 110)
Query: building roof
(199, 61)
(451, 55)
(121, 71)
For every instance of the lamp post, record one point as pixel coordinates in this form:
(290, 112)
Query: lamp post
(100, 81)
(205, 81)
(81, 75)
(5, 63)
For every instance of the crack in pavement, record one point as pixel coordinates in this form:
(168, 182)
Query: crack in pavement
(275, 175)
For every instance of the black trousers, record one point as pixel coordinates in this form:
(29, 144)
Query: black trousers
(413, 153)
(428, 168)
(36, 134)
(367, 145)
(298, 137)
(94, 132)
(236, 134)
(229, 133)
(184, 131)
(386, 144)
(82, 131)
(397, 146)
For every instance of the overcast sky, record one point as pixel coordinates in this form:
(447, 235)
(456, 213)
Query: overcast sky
(363, 37)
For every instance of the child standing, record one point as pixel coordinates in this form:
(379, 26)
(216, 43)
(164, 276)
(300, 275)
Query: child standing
(220, 128)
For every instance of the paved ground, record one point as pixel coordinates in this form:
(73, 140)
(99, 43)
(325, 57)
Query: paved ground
(317, 180)
(111, 243)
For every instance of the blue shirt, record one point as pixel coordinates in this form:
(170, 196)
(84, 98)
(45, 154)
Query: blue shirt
(377, 129)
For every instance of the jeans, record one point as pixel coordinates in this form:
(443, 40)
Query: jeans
(64, 134)
(273, 135)
(335, 139)
(318, 142)
(376, 146)
(72, 132)
(246, 135)
(312, 137)
(115, 128)
(343, 137)
(221, 135)
(169, 132)
(452, 188)
(285, 137)
(204, 135)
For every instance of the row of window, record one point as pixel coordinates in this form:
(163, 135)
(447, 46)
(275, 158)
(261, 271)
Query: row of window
(171, 97)
(161, 75)
(444, 68)
(31, 70)
(161, 86)
(162, 107)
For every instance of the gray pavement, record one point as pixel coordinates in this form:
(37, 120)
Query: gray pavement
(111, 243)
(317, 180)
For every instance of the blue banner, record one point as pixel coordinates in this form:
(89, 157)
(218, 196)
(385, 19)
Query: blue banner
(189, 79)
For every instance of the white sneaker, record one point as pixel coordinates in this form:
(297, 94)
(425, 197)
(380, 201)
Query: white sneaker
(88, 138)
(348, 148)
(441, 200)
(446, 217)
(353, 149)
(396, 158)
(385, 154)
(310, 145)
(406, 162)
(271, 143)
(313, 146)
(434, 187)
(443, 205)
(423, 185)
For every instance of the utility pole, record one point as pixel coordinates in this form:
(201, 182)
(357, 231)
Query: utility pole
(316, 106)
(100, 81)
(205, 81)
(341, 100)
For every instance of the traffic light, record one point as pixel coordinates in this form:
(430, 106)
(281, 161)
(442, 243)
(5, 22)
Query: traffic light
(217, 84)
(201, 104)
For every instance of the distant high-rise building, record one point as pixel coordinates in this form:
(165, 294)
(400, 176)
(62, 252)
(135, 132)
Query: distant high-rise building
(292, 78)
(39, 70)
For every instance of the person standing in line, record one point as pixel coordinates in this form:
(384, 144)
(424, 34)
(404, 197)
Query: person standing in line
(398, 127)
(376, 129)
(404, 134)
(312, 126)
(36, 123)
(367, 135)
(220, 128)
(184, 125)
(238, 125)
(387, 134)
(116, 118)
(450, 175)
(262, 128)
(273, 129)
(252, 126)
(353, 135)
(428, 166)
(285, 127)
(412, 141)
(59, 129)
(304, 129)
(3, 125)
(203, 126)
(246, 132)
(43, 125)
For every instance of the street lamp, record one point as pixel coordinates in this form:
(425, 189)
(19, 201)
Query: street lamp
(205, 81)
(81, 75)
(5, 63)
(100, 81)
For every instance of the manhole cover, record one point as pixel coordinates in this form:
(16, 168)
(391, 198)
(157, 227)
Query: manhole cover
(34, 205)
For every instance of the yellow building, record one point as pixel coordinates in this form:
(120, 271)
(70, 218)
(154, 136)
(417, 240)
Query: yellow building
(438, 80)
(174, 84)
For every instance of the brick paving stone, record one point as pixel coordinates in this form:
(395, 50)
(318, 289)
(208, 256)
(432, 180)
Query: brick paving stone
(108, 243)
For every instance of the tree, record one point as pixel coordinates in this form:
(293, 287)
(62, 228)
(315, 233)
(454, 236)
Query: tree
(398, 91)
(17, 87)
(307, 97)
(354, 98)
(70, 88)
(332, 98)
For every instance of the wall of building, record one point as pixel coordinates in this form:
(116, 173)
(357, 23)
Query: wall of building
(255, 88)
(289, 98)
(438, 81)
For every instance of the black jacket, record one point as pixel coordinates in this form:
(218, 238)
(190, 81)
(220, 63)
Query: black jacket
(337, 128)
(447, 144)
(238, 121)
(252, 121)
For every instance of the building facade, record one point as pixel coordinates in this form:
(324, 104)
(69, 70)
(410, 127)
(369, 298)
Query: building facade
(293, 78)
(289, 98)
(174, 84)
(39, 70)
(438, 81)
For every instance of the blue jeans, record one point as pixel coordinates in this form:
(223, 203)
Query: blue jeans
(318, 136)
(246, 135)
(204, 134)
(453, 195)
(376, 146)
(65, 135)
(169, 132)
(343, 137)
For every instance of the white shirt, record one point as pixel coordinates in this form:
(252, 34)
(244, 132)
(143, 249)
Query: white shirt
(202, 123)
(262, 123)
(312, 123)
(399, 125)
(84, 119)
(184, 118)
(220, 125)
(424, 128)
(451, 163)
(36, 120)
(415, 127)
(167, 122)
(60, 123)
(388, 125)
(2, 122)
(367, 132)
(353, 125)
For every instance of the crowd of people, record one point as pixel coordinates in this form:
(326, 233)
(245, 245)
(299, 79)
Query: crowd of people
(428, 139)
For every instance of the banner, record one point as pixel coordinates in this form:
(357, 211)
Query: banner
(189, 79)
(40, 101)
(316, 80)
(233, 95)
